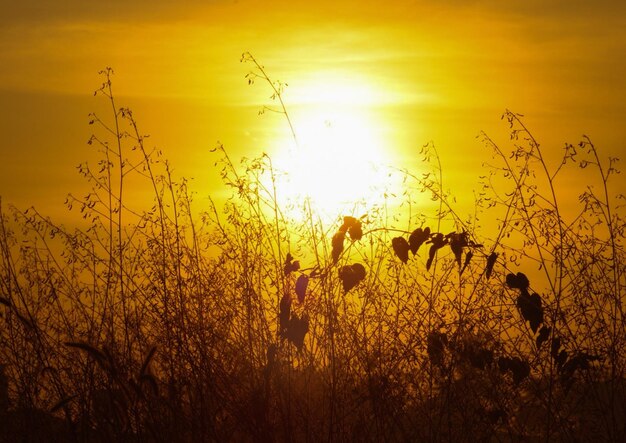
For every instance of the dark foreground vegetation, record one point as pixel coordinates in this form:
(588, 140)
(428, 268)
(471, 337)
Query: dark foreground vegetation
(236, 323)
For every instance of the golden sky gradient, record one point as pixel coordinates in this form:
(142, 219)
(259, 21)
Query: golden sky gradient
(420, 71)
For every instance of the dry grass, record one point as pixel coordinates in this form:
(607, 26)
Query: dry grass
(153, 324)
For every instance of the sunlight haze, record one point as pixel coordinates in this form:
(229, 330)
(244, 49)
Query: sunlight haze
(321, 221)
(425, 71)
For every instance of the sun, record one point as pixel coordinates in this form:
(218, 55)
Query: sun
(339, 164)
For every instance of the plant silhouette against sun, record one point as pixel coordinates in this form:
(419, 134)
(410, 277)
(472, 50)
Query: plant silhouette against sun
(153, 321)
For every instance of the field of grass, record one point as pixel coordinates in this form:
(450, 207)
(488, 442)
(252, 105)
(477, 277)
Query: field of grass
(238, 322)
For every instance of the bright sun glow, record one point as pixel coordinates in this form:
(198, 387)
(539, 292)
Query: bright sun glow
(340, 162)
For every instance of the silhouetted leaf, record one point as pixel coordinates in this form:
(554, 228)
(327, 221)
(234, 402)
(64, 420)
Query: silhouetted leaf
(519, 281)
(291, 266)
(301, 285)
(351, 275)
(544, 334)
(457, 242)
(353, 227)
(435, 346)
(468, 257)
(417, 238)
(400, 248)
(536, 317)
(530, 306)
(491, 261)
(347, 222)
(520, 369)
(356, 232)
(297, 329)
(337, 244)
(438, 241)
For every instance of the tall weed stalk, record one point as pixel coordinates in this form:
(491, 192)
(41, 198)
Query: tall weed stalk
(237, 322)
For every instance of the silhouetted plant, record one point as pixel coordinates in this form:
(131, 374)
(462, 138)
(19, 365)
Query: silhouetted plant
(153, 322)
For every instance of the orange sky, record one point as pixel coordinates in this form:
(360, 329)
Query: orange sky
(438, 71)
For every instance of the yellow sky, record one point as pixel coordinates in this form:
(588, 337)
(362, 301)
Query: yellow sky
(438, 71)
